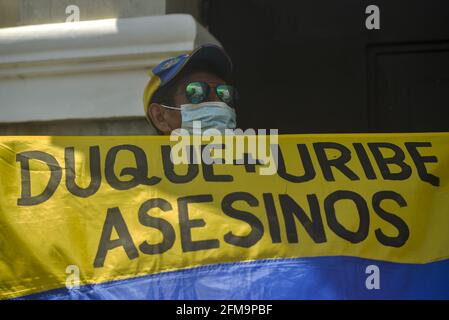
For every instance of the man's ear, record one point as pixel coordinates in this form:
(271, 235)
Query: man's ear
(157, 115)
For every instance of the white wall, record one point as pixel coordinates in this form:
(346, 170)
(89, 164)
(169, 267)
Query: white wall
(86, 70)
(30, 12)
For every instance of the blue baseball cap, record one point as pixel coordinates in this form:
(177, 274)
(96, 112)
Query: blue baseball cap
(209, 55)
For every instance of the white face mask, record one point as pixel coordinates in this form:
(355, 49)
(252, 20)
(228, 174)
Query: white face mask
(212, 115)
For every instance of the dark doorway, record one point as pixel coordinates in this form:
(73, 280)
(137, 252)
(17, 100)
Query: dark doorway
(312, 66)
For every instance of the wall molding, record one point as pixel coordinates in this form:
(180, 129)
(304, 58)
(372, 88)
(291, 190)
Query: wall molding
(87, 69)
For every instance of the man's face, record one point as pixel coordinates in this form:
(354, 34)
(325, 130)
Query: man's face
(166, 119)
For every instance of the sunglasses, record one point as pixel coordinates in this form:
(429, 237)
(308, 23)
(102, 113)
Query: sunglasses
(199, 91)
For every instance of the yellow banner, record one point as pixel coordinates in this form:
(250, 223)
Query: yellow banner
(117, 207)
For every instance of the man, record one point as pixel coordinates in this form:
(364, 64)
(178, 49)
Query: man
(191, 90)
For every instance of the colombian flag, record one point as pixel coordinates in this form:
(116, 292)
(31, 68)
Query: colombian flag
(344, 216)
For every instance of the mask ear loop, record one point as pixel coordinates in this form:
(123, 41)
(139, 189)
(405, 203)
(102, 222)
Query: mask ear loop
(168, 107)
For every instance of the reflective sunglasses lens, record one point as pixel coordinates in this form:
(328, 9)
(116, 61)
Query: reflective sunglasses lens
(196, 92)
(226, 94)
